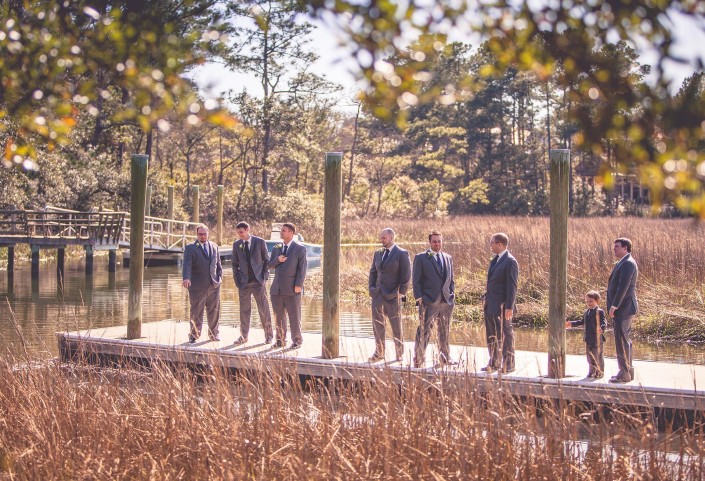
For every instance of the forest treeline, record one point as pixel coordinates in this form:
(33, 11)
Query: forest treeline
(480, 150)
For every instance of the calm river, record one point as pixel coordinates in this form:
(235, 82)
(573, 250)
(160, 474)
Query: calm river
(32, 312)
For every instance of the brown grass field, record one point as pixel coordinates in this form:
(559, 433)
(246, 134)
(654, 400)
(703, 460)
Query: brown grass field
(86, 423)
(670, 254)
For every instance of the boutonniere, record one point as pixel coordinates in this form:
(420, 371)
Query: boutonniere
(278, 246)
(381, 250)
(429, 254)
(242, 246)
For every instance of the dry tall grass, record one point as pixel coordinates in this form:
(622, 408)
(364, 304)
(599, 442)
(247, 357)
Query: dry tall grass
(86, 423)
(670, 253)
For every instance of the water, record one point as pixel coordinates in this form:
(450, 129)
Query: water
(31, 312)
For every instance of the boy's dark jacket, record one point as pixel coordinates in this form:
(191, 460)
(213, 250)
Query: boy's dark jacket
(590, 323)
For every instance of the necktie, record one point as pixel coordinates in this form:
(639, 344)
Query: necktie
(284, 250)
(247, 248)
(494, 261)
(385, 255)
(439, 261)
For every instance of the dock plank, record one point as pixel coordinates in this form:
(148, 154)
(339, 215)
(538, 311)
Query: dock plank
(657, 384)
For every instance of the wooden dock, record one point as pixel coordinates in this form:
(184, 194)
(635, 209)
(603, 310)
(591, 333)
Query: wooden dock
(657, 385)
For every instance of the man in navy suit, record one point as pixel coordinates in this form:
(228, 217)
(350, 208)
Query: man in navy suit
(202, 276)
(622, 305)
(251, 271)
(388, 282)
(289, 263)
(434, 291)
(499, 302)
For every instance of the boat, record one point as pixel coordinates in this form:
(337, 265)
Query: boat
(314, 252)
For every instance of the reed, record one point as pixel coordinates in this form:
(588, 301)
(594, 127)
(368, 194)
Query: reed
(670, 253)
(81, 422)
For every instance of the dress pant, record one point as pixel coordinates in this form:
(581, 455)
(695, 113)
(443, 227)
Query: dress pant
(288, 306)
(500, 335)
(210, 300)
(382, 310)
(428, 315)
(245, 295)
(623, 346)
(596, 359)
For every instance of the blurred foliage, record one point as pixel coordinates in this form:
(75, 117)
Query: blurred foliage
(565, 42)
(58, 59)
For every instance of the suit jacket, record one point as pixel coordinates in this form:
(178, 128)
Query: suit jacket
(391, 278)
(621, 289)
(429, 282)
(502, 281)
(200, 268)
(288, 274)
(589, 320)
(259, 258)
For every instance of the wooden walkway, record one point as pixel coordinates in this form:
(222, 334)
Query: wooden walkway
(657, 384)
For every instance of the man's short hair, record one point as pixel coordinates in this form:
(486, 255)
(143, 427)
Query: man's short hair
(289, 226)
(202, 226)
(502, 238)
(624, 242)
(434, 232)
(594, 295)
(388, 230)
(242, 225)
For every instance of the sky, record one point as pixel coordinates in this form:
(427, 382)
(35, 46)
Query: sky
(336, 64)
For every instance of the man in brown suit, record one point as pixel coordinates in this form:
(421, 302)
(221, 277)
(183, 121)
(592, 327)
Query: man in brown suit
(388, 282)
(202, 276)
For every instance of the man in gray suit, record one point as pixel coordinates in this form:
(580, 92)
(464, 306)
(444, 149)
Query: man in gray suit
(434, 291)
(622, 305)
(388, 282)
(499, 302)
(289, 263)
(251, 271)
(202, 276)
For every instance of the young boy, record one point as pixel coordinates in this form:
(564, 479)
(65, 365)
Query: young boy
(595, 323)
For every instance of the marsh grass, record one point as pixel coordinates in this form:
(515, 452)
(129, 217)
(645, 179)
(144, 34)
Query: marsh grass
(82, 422)
(670, 253)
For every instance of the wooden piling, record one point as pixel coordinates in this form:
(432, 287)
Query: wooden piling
(89, 260)
(169, 212)
(170, 202)
(35, 260)
(219, 224)
(331, 255)
(112, 260)
(196, 204)
(11, 260)
(148, 202)
(558, 269)
(137, 203)
(60, 262)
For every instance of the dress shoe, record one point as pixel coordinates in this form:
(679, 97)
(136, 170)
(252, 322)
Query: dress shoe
(598, 375)
(488, 369)
(506, 370)
(268, 340)
(278, 343)
(376, 357)
(240, 340)
(191, 340)
(618, 380)
(214, 338)
(295, 345)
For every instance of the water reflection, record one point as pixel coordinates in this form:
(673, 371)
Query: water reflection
(43, 306)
